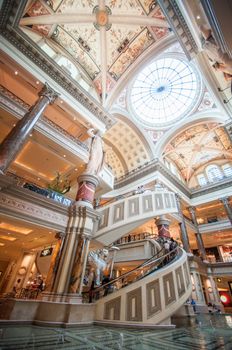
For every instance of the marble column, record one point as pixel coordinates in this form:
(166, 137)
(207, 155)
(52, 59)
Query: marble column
(163, 226)
(199, 239)
(183, 228)
(227, 207)
(86, 189)
(54, 261)
(17, 137)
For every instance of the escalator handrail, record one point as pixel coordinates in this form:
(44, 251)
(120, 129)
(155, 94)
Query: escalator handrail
(145, 264)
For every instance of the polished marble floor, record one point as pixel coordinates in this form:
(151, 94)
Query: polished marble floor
(206, 333)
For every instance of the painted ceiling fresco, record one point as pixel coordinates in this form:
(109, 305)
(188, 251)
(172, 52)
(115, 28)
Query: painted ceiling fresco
(196, 146)
(96, 35)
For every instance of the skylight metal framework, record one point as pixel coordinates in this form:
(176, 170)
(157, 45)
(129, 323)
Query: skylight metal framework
(165, 91)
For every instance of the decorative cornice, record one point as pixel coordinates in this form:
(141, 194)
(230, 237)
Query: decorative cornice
(35, 208)
(149, 168)
(156, 165)
(179, 26)
(9, 23)
(220, 185)
(25, 209)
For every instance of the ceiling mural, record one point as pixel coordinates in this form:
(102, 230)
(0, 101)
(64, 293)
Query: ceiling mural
(96, 34)
(196, 146)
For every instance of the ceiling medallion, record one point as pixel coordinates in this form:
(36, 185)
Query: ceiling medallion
(102, 17)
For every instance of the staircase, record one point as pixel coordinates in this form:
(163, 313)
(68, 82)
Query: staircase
(147, 295)
(122, 216)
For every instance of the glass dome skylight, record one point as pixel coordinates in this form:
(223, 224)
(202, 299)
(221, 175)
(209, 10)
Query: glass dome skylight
(165, 91)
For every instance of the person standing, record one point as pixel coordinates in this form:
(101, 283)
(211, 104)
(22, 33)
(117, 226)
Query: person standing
(193, 303)
(91, 292)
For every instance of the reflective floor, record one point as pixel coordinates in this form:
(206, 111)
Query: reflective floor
(207, 332)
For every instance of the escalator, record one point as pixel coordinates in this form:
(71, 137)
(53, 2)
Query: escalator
(149, 294)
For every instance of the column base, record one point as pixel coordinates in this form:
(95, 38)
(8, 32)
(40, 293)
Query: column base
(62, 298)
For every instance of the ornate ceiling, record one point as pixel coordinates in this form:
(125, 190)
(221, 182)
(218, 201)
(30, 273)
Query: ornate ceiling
(196, 146)
(101, 38)
(125, 149)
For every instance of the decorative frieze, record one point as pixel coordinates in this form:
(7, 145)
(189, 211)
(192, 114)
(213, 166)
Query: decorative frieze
(11, 204)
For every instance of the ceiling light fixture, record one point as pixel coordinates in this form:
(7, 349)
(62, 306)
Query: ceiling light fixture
(64, 155)
(61, 101)
(37, 82)
(16, 72)
(198, 17)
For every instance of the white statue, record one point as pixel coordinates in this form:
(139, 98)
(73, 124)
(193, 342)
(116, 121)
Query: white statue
(100, 262)
(221, 60)
(96, 158)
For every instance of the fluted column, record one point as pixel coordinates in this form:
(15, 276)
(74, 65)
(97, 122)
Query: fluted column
(54, 261)
(62, 275)
(17, 137)
(163, 226)
(79, 265)
(227, 207)
(71, 269)
(200, 243)
(183, 228)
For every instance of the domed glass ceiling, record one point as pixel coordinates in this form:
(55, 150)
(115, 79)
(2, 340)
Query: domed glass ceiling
(165, 91)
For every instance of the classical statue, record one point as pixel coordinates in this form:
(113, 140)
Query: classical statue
(99, 261)
(221, 61)
(96, 158)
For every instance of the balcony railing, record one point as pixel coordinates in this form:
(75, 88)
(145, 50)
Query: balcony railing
(49, 194)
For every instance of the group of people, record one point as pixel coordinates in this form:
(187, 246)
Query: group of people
(106, 288)
(169, 245)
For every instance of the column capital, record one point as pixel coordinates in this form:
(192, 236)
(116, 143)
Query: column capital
(60, 235)
(48, 92)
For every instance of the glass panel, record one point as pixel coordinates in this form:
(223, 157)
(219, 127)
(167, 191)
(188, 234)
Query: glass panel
(164, 91)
